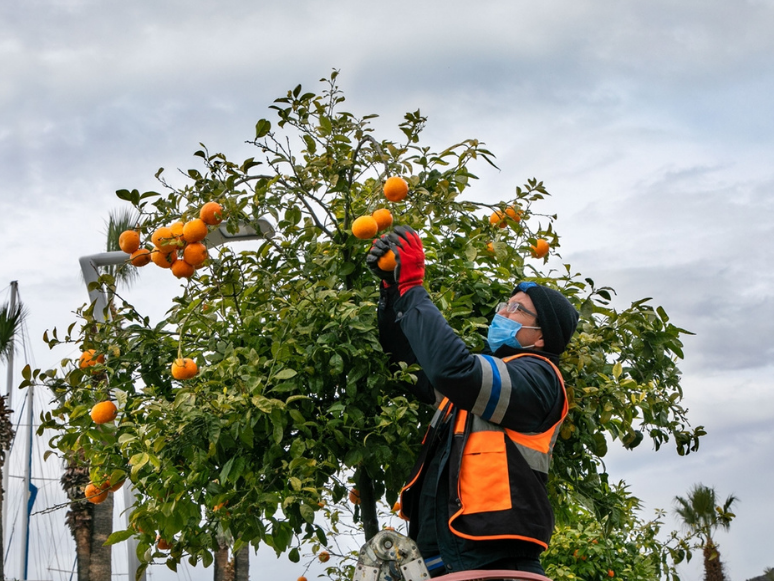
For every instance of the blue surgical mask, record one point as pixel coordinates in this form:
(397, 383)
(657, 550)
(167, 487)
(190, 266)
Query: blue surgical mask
(502, 331)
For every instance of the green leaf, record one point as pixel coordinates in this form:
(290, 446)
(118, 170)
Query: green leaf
(119, 536)
(286, 373)
(262, 128)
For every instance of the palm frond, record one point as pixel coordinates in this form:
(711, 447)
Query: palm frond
(11, 321)
(118, 221)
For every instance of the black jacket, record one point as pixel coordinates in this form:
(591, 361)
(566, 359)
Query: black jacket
(529, 399)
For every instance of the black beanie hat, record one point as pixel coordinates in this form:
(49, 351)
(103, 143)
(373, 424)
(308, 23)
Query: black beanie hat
(557, 317)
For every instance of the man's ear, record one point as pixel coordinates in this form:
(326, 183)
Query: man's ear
(539, 343)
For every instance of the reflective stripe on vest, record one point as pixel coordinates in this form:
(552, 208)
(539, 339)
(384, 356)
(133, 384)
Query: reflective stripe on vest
(492, 402)
(537, 447)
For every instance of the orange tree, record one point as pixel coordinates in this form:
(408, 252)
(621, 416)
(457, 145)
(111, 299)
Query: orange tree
(293, 389)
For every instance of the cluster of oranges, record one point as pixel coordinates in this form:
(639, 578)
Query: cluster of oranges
(395, 189)
(178, 247)
(500, 219)
(98, 494)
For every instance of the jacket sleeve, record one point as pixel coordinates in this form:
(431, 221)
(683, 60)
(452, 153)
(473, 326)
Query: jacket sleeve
(521, 395)
(396, 346)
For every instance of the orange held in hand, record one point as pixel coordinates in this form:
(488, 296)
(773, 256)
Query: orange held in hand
(365, 227)
(184, 368)
(211, 213)
(541, 248)
(383, 218)
(387, 262)
(104, 412)
(395, 189)
(140, 257)
(129, 241)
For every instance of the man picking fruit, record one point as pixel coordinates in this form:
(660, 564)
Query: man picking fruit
(476, 498)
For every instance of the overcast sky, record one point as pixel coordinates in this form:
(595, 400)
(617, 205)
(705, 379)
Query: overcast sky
(651, 124)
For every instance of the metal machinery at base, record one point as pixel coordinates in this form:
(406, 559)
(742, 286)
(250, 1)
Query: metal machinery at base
(390, 556)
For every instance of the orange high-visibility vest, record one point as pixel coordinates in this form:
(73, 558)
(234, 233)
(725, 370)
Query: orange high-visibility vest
(500, 475)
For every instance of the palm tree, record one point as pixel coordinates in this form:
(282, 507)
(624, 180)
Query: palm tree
(11, 320)
(92, 524)
(702, 515)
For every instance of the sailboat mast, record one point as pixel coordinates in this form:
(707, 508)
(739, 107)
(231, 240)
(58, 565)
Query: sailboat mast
(26, 491)
(9, 393)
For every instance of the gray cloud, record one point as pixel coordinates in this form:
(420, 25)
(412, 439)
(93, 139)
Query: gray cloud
(649, 122)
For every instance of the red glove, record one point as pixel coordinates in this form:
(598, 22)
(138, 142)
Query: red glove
(409, 255)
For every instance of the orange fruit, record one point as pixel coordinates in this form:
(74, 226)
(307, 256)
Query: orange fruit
(177, 231)
(513, 213)
(195, 230)
(116, 486)
(104, 412)
(184, 368)
(354, 496)
(140, 257)
(195, 253)
(498, 219)
(94, 494)
(541, 248)
(163, 545)
(302, 578)
(383, 218)
(88, 359)
(324, 556)
(163, 259)
(490, 248)
(211, 213)
(610, 573)
(387, 262)
(365, 227)
(389, 528)
(129, 241)
(164, 239)
(218, 506)
(181, 269)
(395, 189)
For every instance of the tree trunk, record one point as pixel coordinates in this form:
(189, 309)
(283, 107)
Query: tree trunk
(2, 548)
(82, 537)
(713, 568)
(240, 564)
(6, 437)
(74, 478)
(100, 565)
(223, 569)
(365, 487)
